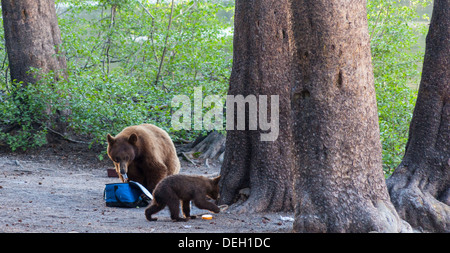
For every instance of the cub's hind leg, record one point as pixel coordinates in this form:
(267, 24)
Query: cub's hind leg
(152, 209)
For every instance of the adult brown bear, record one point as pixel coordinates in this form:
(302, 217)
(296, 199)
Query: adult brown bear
(143, 153)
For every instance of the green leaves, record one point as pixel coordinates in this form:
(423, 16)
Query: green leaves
(130, 45)
(21, 115)
(395, 27)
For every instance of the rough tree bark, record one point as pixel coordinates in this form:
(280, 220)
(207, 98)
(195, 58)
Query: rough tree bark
(339, 182)
(261, 62)
(315, 55)
(211, 147)
(420, 186)
(32, 38)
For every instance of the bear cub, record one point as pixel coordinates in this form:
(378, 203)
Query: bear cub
(173, 189)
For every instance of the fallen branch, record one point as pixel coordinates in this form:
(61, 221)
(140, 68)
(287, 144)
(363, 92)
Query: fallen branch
(187, 158)
(65, 137)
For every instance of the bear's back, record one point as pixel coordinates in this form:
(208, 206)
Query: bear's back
(185, 187)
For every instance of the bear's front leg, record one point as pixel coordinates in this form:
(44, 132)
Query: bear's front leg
(186, 207)
(174, 208)
(202, 203)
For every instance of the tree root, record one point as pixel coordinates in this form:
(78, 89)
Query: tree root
(207, 148)
(422, 210)
(379, 216)
(211, 147)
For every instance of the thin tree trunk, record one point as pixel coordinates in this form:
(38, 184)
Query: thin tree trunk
(158, 75)
(420, 186)
(112, 22)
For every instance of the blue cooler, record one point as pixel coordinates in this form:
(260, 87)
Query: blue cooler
(131, 194)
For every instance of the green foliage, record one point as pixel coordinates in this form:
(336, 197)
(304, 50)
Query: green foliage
(127, 59)
(21, 114)
(395, 27)
(125, 63)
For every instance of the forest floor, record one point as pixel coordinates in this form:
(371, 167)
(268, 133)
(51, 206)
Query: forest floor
(60, 189)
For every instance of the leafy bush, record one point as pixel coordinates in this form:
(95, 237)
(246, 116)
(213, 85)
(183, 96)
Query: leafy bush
(395, 27)
(21, 112)
(126, 60)
(140, 55)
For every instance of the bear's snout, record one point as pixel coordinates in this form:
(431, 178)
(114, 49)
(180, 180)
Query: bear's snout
(124, 170)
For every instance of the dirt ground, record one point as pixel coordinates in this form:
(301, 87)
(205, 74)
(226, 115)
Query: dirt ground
(60, 189)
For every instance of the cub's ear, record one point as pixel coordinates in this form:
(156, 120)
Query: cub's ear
(216, 180)
(110, 139)
(132, 139)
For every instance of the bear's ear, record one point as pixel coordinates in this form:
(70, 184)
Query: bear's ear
(216, 180)
(132, 139)
(110, 139)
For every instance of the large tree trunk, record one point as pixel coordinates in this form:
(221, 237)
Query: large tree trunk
(32, 38)
(339, 182)
(316, 56)
(261, 66)
(420, 186)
